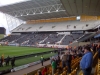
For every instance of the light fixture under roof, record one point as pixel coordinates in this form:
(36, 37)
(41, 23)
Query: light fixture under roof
(48, 11)
(34, 13)
(27, 14)
(21, 15)
(57, 10)
(41, 12)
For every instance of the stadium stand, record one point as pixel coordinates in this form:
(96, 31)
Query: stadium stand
(57, 26)
(41, 38)
(53, 38)
(70, 38)
(47, 24)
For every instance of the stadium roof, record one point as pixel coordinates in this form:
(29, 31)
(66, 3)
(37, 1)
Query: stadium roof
(46, 9)
(35, 9)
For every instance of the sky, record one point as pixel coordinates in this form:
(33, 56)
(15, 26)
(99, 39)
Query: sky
(3, 22)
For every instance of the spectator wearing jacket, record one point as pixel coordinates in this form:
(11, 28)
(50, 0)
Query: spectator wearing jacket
(7, 61)
(64, 58)
(86, 61)
(99, 52)
(68, 61)
(39, 72)
(42, 60)
(44, 71)
(53, 66)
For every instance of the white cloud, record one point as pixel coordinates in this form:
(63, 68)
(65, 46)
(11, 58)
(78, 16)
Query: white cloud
(3, 22)
(7, 2)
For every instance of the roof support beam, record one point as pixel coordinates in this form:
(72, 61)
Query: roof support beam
(38, 10)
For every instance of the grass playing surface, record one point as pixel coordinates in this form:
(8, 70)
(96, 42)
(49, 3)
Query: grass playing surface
(26, 61)
(17, 51)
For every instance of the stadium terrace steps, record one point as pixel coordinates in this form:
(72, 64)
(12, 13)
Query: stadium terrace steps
(34, 39)
(70, 38)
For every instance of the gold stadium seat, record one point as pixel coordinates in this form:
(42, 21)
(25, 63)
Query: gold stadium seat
(61, 74)
(65, 73)
(56, 73)
(64, 69)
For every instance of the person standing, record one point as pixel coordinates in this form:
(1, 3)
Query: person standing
(1, 62)
(53, 66)
(99, 51)
(39, 72)
(44, 71)
(68, 61)
(13, 62)
(7, 60)
(63, 58)
(86, 61)
(42, 59)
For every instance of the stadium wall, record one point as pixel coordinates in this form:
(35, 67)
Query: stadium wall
(76, 44)
(57, 26)
(89, 18)
(53, 46)
(51, 20)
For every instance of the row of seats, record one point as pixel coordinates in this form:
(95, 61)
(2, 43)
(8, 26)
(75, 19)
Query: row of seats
(74, 64)
(33, 39)
(97, 68)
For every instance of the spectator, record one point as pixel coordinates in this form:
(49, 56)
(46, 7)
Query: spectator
(94, 48)
(86, 61)
(79, 54)
(1, 61)
(7, 60)
(44, 71)
(53, 66)
(51, 59)
(68, 62)
(39, 72)
(13, 62)
(64, 57)
(42, 59)
(58, 59)
(99, 52)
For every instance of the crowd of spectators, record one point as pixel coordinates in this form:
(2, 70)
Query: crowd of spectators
(86, 52)
(7, 61)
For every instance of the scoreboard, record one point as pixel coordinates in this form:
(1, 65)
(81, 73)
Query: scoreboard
(2, 30)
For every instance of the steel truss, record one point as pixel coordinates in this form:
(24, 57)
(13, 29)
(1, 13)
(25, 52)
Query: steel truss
(38, 10)
(12, 22)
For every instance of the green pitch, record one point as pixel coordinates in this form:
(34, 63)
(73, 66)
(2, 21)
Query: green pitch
(17, 51)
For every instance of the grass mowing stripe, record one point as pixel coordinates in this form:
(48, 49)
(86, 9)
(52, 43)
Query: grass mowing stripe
(17, 51)
(26, 61)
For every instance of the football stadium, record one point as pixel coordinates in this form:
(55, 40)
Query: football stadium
(51, 37)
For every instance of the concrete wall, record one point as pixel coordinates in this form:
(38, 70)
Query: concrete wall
(76, 44)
